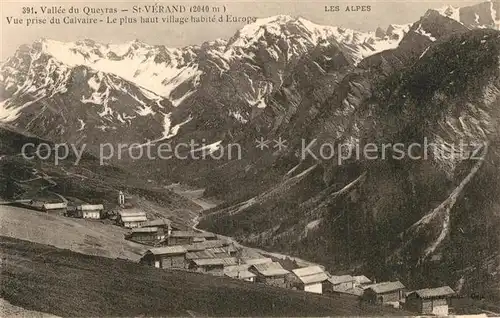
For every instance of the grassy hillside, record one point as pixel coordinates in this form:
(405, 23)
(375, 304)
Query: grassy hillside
(43, 278)
(90, 237)
(11, 311)
(88, 181)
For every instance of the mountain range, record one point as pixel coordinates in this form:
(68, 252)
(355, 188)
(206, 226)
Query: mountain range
(436, 79)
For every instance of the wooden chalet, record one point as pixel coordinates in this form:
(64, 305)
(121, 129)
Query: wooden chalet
(203, 254)
(131, 218)
(254, 261)
(270, 273)
(89, 211)
(187, 237)
(219, 252)
(240, 272)
(165, 257)
(55, 208)
(223, 251)
(198, 239)
(309, 279)
(146, 235)
(336, 284)
(164, 224)
(36, 204)
(206, 245)
(361, 280)
(430, 301)
(387, 293)
(213, 266)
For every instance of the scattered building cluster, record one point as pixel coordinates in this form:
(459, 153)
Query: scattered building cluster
(174, 247)
(430, 301)
(131, 218)
(310, 279)
(83, 210)
(209, 257)
(52, 203)
(87, 211)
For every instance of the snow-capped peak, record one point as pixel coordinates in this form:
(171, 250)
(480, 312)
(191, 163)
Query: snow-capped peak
(287, 26)
(450, 12)
(300, 33)
(481, 15)
(156, 68)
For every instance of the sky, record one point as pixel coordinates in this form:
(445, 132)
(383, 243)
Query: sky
(382, 14)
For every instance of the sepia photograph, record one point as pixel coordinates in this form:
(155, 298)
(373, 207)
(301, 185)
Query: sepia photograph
(238, 158)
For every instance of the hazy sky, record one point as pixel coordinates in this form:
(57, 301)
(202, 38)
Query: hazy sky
(173, 35)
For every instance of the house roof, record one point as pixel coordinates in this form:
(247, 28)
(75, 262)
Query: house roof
(131, 212)
(305, 271)
(167, 250)
(288, 263)
(335, 280)
(145, 230)
(134, 218)
(206, 245)
(90, 207)
(191, 234)
(270, 269)
(310, 274)
(200, 255)
(439, 292)
(240, 267)
(205, 234)
(315, 278)
(157, 222)
(352, 291)
(54, 206)
(183, 234)
(253, 261)
(218, 250)
(229, 261)
(241, 274)
(361, 279)
(386, 287)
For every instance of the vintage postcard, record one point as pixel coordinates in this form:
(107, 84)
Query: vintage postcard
(249, 158)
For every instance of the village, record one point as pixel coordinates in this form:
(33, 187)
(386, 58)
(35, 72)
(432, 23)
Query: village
(175, 246)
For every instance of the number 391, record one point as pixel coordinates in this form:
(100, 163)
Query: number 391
(28, 10)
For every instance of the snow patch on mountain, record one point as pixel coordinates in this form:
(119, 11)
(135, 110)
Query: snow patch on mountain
(144, 111)
(209, 149)
(9, 112)
(238, 116)
(157, 69)
(168, 130)
(421, 31)
(450, 12)
(82, 124)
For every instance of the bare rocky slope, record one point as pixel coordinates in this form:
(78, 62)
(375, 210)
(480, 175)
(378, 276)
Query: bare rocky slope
(410, 219)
